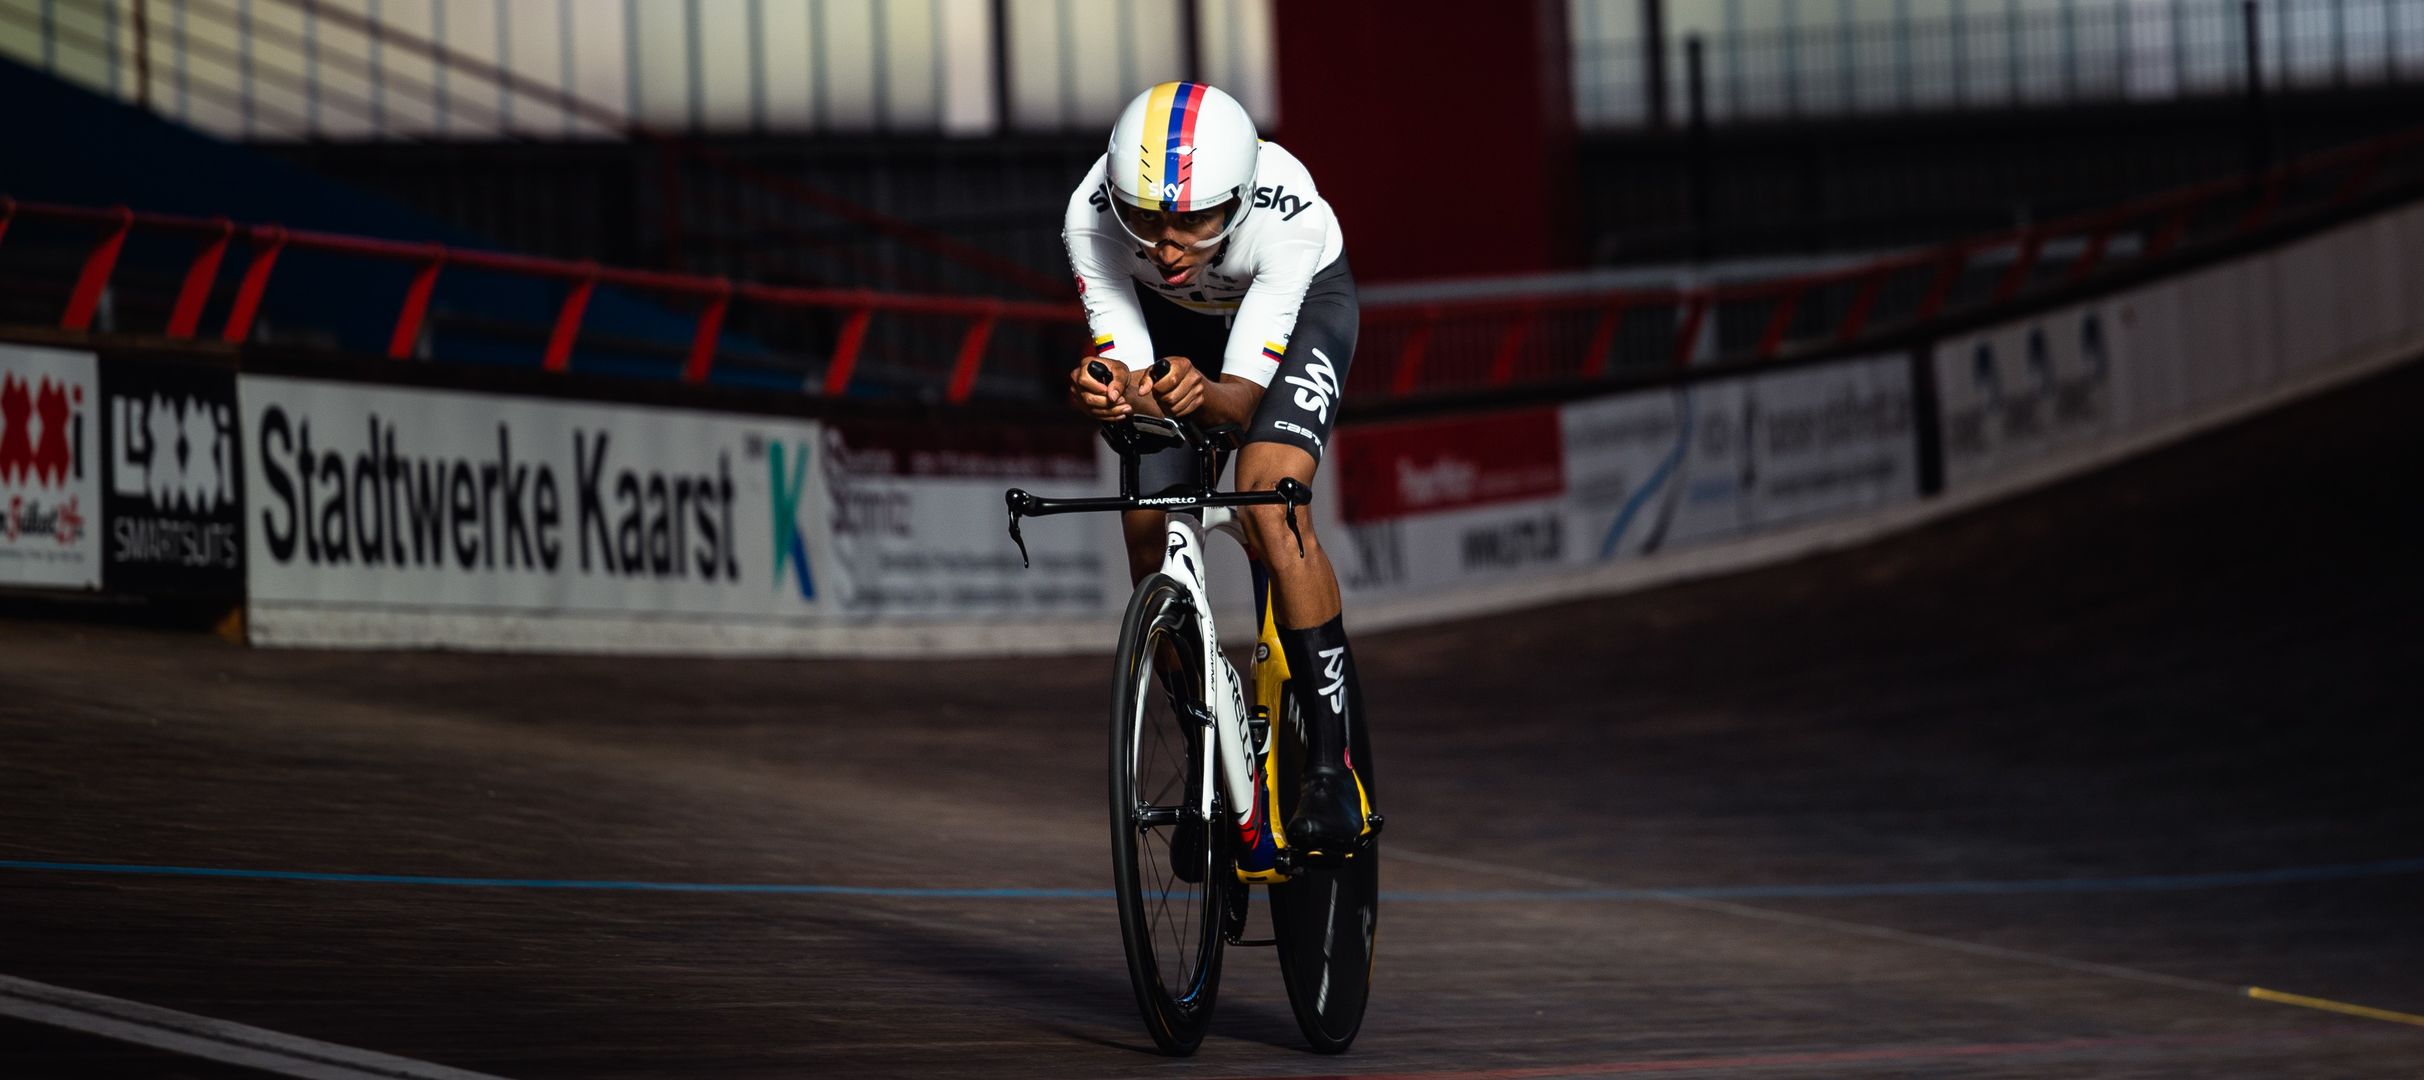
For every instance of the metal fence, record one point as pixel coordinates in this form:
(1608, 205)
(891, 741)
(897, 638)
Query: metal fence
(1997, 54)
(955, 349)
(274, 70)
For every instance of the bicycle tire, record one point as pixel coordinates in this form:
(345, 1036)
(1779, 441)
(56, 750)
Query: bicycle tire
(1170, 928)
(1325, 919)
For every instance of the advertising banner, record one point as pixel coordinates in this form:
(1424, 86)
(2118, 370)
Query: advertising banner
(366, 497)
(2027, 390)
(1829, 439)
(918, 525)
(1666, 468)
(49, 473)
(174, 518)
(1656, 469)
(1427, 504)
(1434, 504)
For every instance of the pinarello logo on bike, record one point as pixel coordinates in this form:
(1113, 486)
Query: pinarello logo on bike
(40, 452)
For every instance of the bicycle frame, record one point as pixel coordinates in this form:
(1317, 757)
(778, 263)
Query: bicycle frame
(1183, 561)
(1194, 514)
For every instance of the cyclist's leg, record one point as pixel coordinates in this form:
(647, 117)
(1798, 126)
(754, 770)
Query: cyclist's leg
(1286, 439)
(1312, 633)
(1143, 530)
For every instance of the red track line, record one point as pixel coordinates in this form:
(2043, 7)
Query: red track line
(1872, 1055)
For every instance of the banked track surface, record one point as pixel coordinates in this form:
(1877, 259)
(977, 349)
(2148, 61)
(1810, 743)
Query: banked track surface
(2034, 791)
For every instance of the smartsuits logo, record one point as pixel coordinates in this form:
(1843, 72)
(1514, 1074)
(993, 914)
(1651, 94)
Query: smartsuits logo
(173, 479)
(177, 452)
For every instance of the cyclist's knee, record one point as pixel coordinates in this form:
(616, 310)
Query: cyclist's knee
(1260, 467)
(1267, 530)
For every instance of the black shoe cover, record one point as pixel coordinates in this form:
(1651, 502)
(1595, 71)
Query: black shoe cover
(1329, 812)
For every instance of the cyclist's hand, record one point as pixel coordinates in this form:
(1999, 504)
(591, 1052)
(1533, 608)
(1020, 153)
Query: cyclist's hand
(1106, 402)
(1182, 390)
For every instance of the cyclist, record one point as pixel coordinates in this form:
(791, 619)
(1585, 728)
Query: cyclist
(1195, 240)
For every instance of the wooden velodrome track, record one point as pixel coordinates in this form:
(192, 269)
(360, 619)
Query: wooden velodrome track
(2033, 792)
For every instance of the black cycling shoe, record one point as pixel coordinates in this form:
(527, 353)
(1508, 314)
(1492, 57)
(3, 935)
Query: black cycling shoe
(1187, 851)
(1329, 815)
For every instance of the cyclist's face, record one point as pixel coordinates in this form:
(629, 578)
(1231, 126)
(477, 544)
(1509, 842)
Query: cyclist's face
(1178, 241)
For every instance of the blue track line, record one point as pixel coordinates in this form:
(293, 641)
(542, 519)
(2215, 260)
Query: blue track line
(2024, 886)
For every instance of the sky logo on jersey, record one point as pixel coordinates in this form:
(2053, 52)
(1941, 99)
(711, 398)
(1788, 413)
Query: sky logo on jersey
(1277, 198)
(790, 544)
(1171, 110)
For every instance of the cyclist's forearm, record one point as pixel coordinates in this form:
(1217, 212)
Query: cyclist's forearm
(1228, 400)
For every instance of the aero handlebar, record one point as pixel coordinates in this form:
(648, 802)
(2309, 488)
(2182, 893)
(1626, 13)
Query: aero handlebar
(1139, 434)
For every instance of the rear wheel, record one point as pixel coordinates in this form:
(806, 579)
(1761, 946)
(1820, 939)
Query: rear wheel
(1168, 861)
(1325, 918)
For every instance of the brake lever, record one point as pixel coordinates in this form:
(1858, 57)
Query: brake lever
(1293, 493)
(1018, 498)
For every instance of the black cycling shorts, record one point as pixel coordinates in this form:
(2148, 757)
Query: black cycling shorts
(1301, 405)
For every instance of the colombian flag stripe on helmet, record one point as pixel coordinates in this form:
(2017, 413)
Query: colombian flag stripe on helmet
(1171, 110)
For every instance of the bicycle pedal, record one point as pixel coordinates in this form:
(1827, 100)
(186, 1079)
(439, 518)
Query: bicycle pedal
(1298, 860)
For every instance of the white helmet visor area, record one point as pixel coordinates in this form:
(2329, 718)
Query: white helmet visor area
(1123, 212)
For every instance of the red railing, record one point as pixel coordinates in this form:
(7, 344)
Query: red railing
(1427, 347)
(1452, 344)
(716, 295)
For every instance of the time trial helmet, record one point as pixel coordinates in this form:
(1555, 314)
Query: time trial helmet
(1179, 148)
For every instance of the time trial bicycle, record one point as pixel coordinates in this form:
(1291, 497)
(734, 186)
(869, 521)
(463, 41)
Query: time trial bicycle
(1202, 782)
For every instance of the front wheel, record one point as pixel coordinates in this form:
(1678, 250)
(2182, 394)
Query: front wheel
(1168, 841)
(1325, 918)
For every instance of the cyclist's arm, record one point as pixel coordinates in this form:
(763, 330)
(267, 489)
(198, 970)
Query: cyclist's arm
(1258, 337)
(1114, 319)
(1226, 400)
(1230, 400)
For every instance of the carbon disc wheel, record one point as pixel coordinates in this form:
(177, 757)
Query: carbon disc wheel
(1325, 919)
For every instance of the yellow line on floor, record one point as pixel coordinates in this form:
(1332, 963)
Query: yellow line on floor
(2327, 1005)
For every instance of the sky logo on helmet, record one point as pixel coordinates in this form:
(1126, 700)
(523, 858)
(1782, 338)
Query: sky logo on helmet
(1170, 109)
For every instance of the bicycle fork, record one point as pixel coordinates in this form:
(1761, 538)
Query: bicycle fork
(1225, 712)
